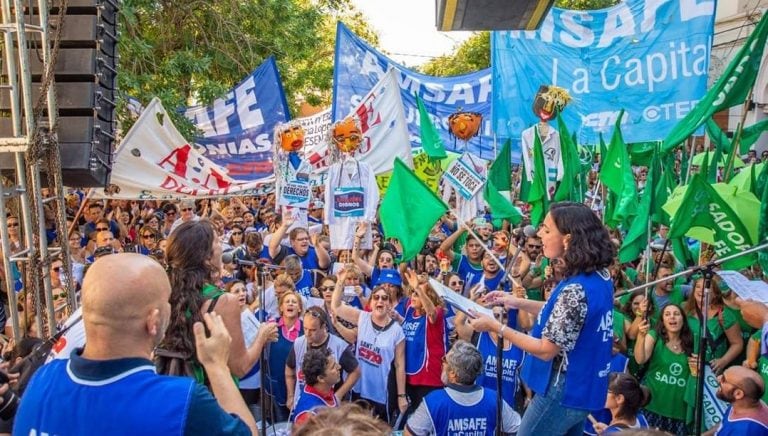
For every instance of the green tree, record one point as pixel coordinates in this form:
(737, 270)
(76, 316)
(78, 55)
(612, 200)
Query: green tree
(475, 53)
(195, 50)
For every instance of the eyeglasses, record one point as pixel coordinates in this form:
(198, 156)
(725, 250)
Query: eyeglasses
(149, 236)
(458, 282)
(102, 229)
(534, 246)
(13, 224)
(380, 297)
(186, 209)
(326, 288)
(301, 239)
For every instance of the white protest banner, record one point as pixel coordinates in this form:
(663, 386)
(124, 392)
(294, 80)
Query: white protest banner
(316, 143)
(382, 122)
(755, 290)
(464, 178)
(155, 162)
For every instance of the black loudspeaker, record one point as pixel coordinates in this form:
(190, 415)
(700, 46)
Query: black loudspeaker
(85, 77)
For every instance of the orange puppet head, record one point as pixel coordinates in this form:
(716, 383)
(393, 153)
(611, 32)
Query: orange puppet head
(290, 136)
(346, 135)
(465, 125)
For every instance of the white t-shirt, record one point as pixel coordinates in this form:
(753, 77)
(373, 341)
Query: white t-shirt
(375, 351)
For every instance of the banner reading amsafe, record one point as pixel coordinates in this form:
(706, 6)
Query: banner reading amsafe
(648, 57)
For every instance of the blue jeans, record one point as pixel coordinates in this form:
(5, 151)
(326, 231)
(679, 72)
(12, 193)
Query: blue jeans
(545, 415)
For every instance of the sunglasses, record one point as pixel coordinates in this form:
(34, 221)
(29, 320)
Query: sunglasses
(149, 236)
(458, 282)
(59, 296)
(326, 288)
(380, 297)
(102, 229)
(186, 209)
(171, 212)
(237, 233)
(13, 224)
(534, 246)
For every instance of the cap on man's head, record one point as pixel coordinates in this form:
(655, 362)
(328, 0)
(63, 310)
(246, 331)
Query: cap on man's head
(390, 276)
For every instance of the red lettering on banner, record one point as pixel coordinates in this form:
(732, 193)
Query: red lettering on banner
(177, 161)
(220, 182)
(364, 113)
(172, 184)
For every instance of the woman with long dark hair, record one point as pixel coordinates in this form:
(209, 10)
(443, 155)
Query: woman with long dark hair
(193, 257)
(569, 348)
(667, 349)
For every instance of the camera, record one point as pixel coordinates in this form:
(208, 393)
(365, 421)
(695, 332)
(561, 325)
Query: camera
(10, 400)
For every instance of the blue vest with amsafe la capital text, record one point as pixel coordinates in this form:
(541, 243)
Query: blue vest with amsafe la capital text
(137, 401)
(453, 419)
(586, 379)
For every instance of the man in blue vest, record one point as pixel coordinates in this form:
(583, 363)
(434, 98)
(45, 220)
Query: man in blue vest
(462, 407)
(111, 386)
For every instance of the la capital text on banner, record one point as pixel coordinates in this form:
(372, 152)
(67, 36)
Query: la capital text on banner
(650, 57)
(237, 129)
(383, 125)
(155, 162)
(358, 67)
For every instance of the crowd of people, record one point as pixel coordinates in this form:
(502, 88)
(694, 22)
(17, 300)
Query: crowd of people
(256, 313)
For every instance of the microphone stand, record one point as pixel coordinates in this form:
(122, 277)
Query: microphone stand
(261, 275)
(708, 271)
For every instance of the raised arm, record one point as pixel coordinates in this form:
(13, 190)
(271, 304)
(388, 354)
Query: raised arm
(644, 344)
(447, 245)
(277, 237)
(361, 263)
(344, 311)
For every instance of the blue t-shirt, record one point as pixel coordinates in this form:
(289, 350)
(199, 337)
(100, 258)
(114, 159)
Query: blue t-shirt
(120, 396)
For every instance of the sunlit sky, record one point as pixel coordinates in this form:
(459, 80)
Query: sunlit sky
(407, 29)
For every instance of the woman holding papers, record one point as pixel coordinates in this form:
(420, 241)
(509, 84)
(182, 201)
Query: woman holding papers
(569, 348)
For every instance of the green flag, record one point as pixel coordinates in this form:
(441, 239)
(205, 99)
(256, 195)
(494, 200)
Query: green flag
(430, 139)
(641, 153)
(702, 206)
(525, 184)
(537, 195)
(731, 88)
(616, 174)
(718, 137)
(761, 188)
(498, 186)
(664, 187)
(409, 210)
(712, 171)
(638, 235)
(751, 134)
(569, 187)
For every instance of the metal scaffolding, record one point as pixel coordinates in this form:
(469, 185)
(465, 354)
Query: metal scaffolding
(34, 147)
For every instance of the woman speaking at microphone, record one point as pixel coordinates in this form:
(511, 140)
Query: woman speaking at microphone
(568, 352)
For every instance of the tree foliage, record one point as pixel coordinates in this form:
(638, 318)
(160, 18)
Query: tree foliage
(475, 53)
(196, 50)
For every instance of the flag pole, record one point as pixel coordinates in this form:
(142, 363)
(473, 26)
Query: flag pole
(737, 136)
(690, 159)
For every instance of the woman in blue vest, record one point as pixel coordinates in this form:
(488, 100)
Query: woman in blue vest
(194, 261)
(289, 328)
(568, 353)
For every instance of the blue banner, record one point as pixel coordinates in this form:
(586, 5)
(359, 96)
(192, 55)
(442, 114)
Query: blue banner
(237, 128)
(649, 57)
(358, 67)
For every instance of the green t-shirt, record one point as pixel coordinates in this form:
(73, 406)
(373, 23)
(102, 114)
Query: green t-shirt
(667, 378)
(716, 328)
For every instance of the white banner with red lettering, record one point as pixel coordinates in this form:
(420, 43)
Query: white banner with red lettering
(155, 162)
(383, 125)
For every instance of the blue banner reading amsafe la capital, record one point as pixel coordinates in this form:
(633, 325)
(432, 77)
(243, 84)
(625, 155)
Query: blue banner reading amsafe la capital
(358, 67)
(237, 128)
(649, 57)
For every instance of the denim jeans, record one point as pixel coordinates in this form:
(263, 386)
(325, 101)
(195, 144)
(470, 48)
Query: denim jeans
(545, 415)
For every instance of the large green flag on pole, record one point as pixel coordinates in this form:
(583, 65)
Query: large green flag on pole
(637, 236)
(718, 137)
(702, 206)
(409, 210)
(731, 88)
(616, 174)
(570, 186)
(498, 186)
(537, 195)
(430, 139)
(751, 134)
(762, 227)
